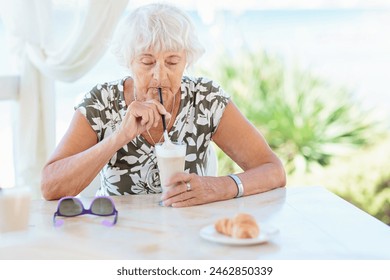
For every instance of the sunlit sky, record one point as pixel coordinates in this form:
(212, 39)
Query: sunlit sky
(279, 4)
(256, 4)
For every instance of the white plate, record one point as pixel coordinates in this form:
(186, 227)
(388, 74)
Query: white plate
(266, 233)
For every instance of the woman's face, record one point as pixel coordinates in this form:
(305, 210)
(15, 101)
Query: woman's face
(152, 70)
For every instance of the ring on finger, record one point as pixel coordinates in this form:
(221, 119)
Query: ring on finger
(188, 186)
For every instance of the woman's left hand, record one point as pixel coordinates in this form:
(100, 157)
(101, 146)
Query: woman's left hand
(190, 189)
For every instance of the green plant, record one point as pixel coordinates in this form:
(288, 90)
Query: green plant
(366, 183)
(304, 119)
(362, 178)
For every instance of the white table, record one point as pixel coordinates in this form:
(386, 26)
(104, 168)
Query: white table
(313, 223)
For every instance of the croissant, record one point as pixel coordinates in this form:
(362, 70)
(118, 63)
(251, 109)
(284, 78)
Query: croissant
(240, 226)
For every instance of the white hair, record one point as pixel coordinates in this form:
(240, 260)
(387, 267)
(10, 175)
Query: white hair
(157, 27)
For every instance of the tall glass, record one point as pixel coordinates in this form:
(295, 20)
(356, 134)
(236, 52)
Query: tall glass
(170, 160)
(14, 209)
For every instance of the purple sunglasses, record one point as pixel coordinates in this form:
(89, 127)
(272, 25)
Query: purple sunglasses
(71, 206)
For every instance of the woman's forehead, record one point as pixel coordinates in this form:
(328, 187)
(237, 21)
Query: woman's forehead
(161, 53)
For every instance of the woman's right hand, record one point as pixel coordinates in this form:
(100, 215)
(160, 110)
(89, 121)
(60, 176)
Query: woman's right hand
(141, 116)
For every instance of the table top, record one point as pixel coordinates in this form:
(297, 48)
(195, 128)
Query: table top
(312, 223)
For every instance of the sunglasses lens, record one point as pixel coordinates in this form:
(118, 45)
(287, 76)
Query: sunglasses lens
(70, 207)
(102, 206)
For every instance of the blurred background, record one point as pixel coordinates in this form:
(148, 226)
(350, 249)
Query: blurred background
(311, 75)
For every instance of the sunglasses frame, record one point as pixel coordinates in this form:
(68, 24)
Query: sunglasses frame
(86, 210)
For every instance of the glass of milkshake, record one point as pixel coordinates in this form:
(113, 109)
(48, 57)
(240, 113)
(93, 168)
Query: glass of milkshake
(170, 160)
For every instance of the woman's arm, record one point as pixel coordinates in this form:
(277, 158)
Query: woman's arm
(79, 156)
(242, 142)
(77, 160)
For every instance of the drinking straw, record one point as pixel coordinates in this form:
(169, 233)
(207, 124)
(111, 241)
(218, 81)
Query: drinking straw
(165, 132)
(162, 103)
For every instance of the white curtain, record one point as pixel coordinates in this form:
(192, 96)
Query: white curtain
(30, 23)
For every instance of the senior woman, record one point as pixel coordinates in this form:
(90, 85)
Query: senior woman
(116, 126)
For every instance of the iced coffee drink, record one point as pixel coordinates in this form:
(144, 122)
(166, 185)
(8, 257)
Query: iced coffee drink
(170, 160)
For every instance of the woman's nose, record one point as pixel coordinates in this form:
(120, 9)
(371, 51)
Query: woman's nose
(159, 72)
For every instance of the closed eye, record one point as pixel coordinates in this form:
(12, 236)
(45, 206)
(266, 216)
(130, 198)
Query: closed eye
(147, 62)
(173, 60)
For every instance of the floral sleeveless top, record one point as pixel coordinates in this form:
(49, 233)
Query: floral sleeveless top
(133, 168)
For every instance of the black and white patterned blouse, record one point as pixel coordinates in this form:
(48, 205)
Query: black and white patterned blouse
(133, 168)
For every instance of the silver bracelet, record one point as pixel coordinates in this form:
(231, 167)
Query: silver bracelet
(240, 186)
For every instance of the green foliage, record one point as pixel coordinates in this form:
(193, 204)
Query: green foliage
(366, 184)
(362, 178)
(304, 119)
